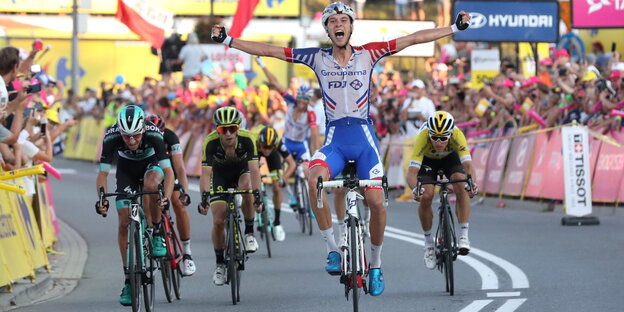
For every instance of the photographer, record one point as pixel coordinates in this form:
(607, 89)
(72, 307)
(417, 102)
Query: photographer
(416, 108)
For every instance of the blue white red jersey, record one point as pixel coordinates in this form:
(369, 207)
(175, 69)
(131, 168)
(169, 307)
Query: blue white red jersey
(346, 90)
(297, 129)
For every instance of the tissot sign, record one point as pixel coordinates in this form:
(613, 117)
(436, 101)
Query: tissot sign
(510, 21)
(597, 13)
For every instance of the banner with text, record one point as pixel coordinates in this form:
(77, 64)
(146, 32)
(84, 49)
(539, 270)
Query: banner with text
(510, 21)
(597, 13)
(485, 66)
(577, 178)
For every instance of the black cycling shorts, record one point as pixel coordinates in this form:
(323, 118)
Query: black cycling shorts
(450, 164)
(223, 179)
(130, 174)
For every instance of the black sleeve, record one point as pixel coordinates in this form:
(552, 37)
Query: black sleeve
(110, 143)
(172, 141)
(209, 150)
(158, 143)
(250, 148)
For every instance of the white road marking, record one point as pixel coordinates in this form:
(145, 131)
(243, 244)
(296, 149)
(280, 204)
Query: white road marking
(476, 305)
(489, 280)
(67, 170)
(503, 294)
(511, 305)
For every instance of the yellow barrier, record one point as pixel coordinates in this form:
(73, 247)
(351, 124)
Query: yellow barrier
(12, 188)
(25, 231)
(84, 139)
(38, 169)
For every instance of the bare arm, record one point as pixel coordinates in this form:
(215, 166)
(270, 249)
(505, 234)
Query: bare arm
(169, 180)
(101, 181)
(45, 155)
(314, 134)
(428, 34)
(272, 79)
(251, 47)
(412, 176)
(290, 168)
(204, 179)
(254, 170)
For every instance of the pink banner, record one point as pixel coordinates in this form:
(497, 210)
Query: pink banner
(597, 13)
(608, 173)
(517, 165)
(553, 187)
(538, 169)
(496, 164)
(479, 161)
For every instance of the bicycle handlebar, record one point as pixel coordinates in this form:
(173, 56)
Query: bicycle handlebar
(320, 184)
(445, 182)
(104, 195)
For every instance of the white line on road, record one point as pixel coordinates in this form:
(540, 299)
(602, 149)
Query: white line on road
(503, 294)
(518, 278)
(476, 305)
(511, 305)
(66, 171)
(489, 280)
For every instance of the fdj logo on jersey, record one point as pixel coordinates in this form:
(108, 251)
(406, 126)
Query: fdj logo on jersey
(337, 84)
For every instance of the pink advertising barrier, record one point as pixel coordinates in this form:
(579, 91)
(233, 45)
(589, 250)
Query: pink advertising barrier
(553, 187)
(538, 168)
(597, 14)
(608, 172)
(479, 161)
(496, 165)
(517, 165)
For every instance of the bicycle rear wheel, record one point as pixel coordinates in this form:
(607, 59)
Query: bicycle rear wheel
(176, 273)
(232, 265)
(448, 255)
(166, 272)
(354, 264)
(148, 273)
(135, 253)
(301, 208)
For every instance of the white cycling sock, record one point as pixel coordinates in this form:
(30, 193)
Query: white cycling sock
(428, 239)
(463, 229)
(375, 261)
(330, 241)
(186, 245)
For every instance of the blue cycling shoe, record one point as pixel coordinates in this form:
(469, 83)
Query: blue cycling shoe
(333, 266)
(376, 285)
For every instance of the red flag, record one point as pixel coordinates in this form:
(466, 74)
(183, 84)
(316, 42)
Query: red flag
(145, 20)
(244, 13)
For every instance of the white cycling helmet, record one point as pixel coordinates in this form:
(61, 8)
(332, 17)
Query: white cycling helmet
(336, 8)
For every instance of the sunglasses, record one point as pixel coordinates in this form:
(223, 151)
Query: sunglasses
(436, 138)
(227, 129)
(266, 147)
(303, 97)
(135, 136)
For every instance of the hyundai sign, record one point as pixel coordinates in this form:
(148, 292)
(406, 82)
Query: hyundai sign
(510, 21)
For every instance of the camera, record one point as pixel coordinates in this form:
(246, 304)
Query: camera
(563, 71)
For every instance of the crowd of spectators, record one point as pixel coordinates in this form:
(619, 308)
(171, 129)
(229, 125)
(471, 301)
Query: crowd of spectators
(588, 90)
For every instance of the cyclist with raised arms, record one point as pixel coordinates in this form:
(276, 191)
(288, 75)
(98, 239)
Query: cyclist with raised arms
(275, 152)
(142, 163)
(344, 73)
(300, 118)
(230, 160)
(180, 199)
(441, 146)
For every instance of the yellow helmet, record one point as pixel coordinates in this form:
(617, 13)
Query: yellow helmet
(441, 123)
(268, 137)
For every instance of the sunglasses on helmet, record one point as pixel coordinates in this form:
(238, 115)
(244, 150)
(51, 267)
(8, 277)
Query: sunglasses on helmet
(303, 97)
(227, 129)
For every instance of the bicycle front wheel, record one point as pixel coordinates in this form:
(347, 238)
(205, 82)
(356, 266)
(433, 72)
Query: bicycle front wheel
(148, 273)
(232, 265)
(306, 204)
(135, 253)
(448, 255)
(176, 273)
(301, 208)
(265, 229)
(354, 263)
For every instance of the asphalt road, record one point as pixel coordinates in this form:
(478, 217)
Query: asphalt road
(522, 260)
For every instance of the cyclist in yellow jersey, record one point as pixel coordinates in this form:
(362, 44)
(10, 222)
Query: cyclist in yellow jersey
(441, 146)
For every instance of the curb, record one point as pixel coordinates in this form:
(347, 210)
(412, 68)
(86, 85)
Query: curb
(66, 271)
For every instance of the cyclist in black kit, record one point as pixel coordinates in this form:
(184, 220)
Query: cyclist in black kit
(275, 152)
(230, 160)
(174, 151)
(142, 163)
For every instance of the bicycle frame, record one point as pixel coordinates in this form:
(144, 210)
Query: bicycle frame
(354, 264)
